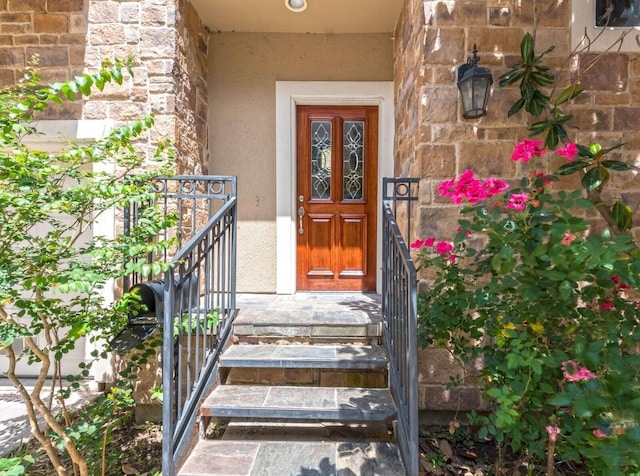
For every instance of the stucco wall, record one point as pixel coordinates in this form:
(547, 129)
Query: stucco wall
(243, 70)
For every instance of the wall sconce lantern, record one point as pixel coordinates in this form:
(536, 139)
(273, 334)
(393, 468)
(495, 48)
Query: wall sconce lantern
(296, 5)
(474, 84)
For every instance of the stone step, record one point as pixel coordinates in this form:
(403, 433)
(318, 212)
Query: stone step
(305, 356)
(307, 325)
(303, 403)
(292, 458)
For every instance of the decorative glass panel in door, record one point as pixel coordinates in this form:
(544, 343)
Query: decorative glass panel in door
(353, 160)
(321, 160)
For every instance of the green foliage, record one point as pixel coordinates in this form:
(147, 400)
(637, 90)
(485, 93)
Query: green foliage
(550, 307)
(530, 291)
(188, 323)
(15, 466)
(53, 268)
(537, 85)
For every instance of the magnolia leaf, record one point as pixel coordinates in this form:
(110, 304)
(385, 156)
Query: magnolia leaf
(517, 106)
(511, 77)
(622, 215)
(543, 78)
(561, 132)
(539, 127)
(595, 178)
(572, 167)
(551, 141)
(617, 165)
(526, 48)
(568, 94)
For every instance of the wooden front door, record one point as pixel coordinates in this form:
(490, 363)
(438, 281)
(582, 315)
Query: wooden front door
(336, 197)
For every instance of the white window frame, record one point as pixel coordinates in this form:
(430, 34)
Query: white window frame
(583, 20)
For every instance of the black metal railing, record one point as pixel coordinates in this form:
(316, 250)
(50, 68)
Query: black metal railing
(399, 308)
(198, 299)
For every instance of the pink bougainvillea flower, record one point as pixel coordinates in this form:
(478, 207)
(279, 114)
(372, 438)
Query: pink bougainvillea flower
(517, 201)
(606, 305)
(452, 258)
(446, 187)
(427, 242)
(526, 149)
(598, 433)
(620, 286)
(553, 431)
(569, 151)
(568, 238)
(573, 373)
(442, 247)
(417, 244)
(475, 192)
(494, 186)
(471, 189)
(466, 177)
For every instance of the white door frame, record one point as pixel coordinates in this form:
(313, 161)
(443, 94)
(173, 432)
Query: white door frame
(289, 94)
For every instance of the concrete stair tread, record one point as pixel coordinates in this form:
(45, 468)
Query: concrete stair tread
(305, 356)
(309, 403)
(282, 458)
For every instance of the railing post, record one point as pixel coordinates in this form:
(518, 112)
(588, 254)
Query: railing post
(399, 311)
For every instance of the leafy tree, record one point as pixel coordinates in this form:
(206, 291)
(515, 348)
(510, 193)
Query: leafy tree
(53, 269)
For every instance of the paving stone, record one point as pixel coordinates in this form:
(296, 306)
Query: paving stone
(313, 403)
(305, 356)
(221, 458)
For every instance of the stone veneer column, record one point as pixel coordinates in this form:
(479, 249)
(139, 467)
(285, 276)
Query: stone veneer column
(169, 44)
(433, 141)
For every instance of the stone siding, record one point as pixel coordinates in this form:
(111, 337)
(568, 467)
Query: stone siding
(54, 31)
(165, 38)
(434, 142)
(191, 97)
(168, 43)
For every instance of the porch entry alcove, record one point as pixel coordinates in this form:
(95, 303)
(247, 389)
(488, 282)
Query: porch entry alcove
(290, 95)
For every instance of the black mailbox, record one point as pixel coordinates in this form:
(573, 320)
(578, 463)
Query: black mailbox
(149, 312)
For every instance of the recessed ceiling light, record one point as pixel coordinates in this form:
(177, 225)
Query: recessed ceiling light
(296, 5)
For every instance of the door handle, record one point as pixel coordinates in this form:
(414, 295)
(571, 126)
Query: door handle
(300, 215)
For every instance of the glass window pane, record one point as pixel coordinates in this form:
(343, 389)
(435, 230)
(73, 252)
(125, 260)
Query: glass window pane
(321, 160)
(353, 168)
(617, 13)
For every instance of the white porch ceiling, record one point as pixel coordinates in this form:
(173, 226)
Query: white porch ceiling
(321, 16)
